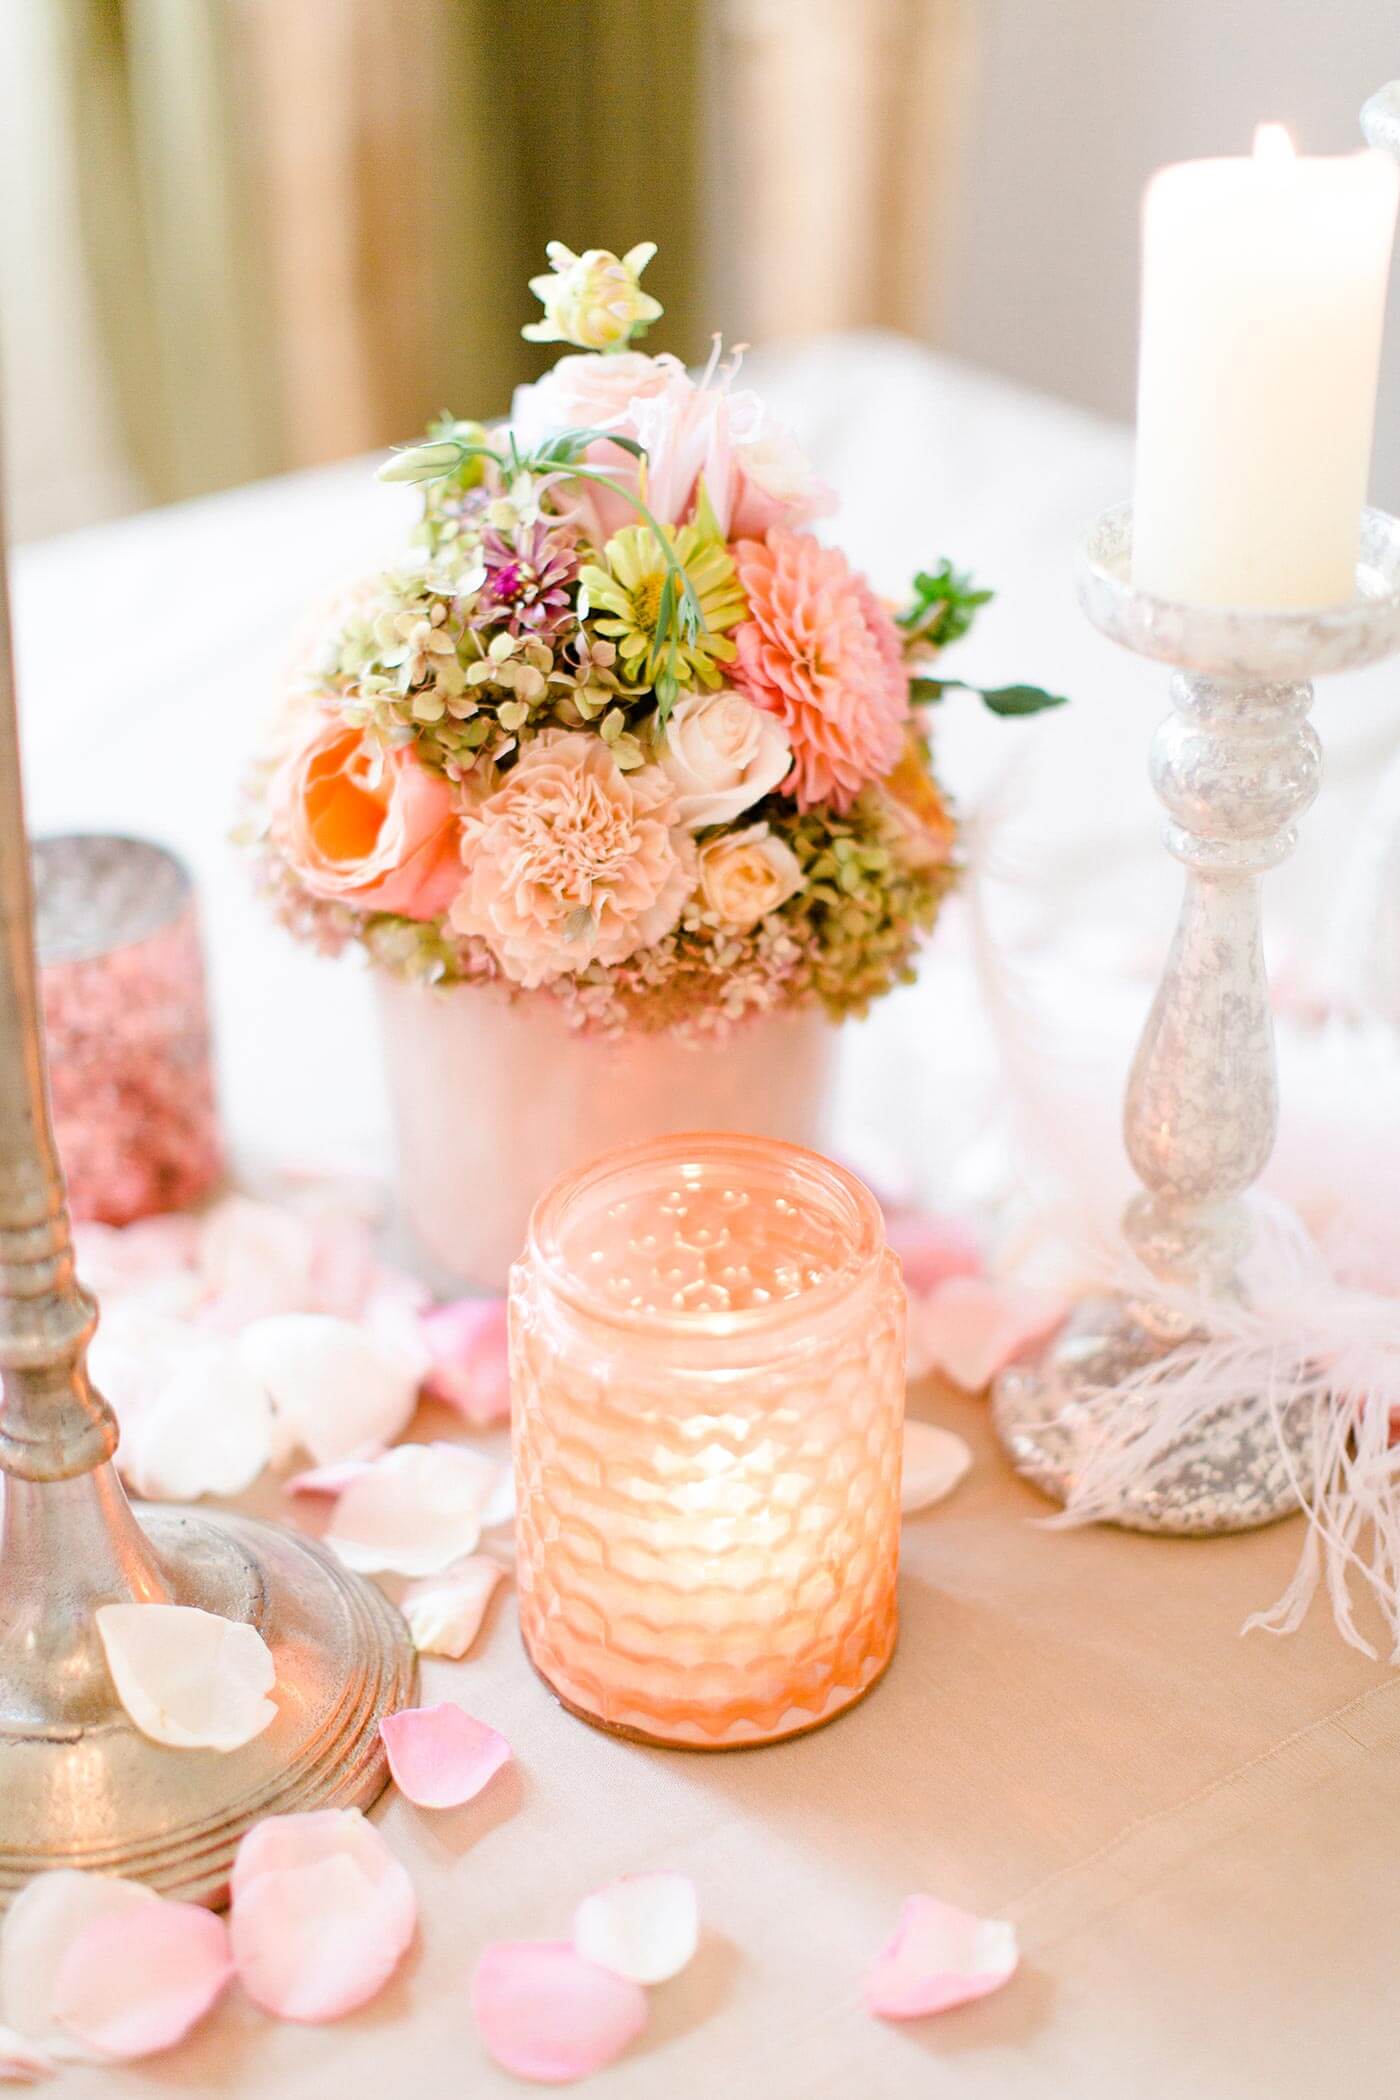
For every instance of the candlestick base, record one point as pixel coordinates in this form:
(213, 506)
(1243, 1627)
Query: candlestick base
(81, 1787)
(1237, 1467)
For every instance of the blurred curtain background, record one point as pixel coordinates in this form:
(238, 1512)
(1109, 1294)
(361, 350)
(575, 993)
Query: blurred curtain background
(271, 232)
(240, 236)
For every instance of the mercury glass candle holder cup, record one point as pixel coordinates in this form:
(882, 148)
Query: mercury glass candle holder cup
(1236, 764)
(121, 977)
(707, 1376)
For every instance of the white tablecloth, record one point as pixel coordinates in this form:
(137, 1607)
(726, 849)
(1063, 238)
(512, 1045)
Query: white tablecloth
(1191, 1831)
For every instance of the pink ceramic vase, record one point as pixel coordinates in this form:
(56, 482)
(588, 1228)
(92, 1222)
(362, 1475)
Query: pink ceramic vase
(493, 1099)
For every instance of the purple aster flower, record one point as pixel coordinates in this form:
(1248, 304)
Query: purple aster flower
(527, 580)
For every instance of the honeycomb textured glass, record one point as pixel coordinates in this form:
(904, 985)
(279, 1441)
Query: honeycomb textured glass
(707, 1364)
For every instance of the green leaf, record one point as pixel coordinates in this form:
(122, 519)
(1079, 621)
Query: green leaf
(944, 605)
(1019, 699)
(925, 691)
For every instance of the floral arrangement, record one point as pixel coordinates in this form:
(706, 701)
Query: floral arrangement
(620, 728)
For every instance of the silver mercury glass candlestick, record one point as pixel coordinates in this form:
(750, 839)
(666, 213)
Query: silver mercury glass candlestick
(79, 1786)
(1366, 931)
(1236, 764)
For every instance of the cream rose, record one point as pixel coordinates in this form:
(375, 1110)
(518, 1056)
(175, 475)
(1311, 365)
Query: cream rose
(746, 874)
(722, 754)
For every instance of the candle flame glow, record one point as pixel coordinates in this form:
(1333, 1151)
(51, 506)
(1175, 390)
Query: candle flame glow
(1272, 143)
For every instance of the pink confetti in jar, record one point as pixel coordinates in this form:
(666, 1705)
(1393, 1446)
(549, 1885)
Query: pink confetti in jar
(122, 979)
(707, 1374)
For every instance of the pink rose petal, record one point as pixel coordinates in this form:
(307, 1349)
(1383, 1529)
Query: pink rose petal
(47, 1916)
(414, 1511)
(330, 1480)
(970, 1326)
(546, 2013)
(931, 1249)
(445, 1613)
(939, 1957)
(321, 1914)
(135, 1982)
(22, 2062)
(440, 1756)
(470, 1370)
(643, 1926)
(934, 1462)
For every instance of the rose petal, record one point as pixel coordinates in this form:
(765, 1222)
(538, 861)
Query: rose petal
(444, 1615)
(321, 1915)
(135, 1982)
(329, 1480)
(205, 1428)
(41, 1926)
(151, 1261)
(644, 1926)
(414, 1511)
(187, 1677)
(335, 1390)
(934, 1462)
(256, 1261)
(21, 2062)
(500, 1503)
(546, 2013)
(470, 1369)
(970, 1326)
(931, 1249)
(440, 1756)
(939, 1957)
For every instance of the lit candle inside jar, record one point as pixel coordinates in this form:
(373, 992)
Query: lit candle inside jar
(1263, 296)
(707, 1339)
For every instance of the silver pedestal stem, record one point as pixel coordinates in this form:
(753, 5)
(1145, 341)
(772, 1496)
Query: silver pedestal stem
(1236, 764)
(79, 1786)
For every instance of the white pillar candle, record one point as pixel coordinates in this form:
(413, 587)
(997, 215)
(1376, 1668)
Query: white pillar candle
(1263, 293)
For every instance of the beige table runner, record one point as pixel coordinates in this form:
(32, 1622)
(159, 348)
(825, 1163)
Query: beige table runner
(1197, 1835)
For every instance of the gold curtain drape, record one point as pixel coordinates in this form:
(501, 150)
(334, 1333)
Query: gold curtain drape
(308, 223)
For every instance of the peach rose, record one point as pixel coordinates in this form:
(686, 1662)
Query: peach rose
(723, 754)
(572, 861)
(374, 830)
(920, 816)
(746, 874)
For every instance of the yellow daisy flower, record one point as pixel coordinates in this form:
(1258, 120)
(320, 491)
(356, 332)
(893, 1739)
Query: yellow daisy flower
(628, 591)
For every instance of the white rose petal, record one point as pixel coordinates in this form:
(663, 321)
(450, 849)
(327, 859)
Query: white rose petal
(336, 1390)
(444, 1615)
(414, 1511)
(187, 1677)
(205, 1430)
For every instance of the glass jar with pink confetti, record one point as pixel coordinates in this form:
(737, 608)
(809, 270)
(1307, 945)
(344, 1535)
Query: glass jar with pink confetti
(707, 1371)
(127, 1027)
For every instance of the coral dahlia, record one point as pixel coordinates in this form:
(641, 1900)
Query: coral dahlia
(820, 652)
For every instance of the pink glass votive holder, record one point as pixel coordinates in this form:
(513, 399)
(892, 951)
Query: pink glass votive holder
(707, 1379)
(127, 1027)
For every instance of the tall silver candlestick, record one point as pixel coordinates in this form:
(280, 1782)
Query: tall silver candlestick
(1236, 764)
(79, 1786)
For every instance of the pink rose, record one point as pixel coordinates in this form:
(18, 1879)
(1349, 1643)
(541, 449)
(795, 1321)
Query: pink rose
(775, 484)
(374, 830)
(595, 391)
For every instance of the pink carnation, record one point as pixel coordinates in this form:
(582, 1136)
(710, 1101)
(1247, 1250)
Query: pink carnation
(821, 653)
(572, 861)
